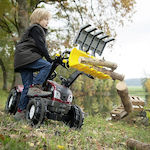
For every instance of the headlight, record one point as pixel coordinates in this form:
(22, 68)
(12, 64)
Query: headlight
(52, 89)
(56, 94)
(69, 98)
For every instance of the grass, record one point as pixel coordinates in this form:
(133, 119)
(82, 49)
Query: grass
(97, 133)
(137, 91)
(135, 88)
(3, 98)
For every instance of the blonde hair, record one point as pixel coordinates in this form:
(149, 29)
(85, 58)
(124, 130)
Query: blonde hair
(39, 14)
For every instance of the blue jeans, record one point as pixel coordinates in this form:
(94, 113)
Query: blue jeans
(40, 65)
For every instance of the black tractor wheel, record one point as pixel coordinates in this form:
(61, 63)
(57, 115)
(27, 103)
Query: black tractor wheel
(35, 112)
(75, 117)
(12, 101)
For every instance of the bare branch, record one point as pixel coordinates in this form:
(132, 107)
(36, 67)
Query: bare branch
(15, 20)
(15, 23)
(64, 8)
(94, 13)
(78, 10)
(13, 3)
(5, 26)
(11, 21)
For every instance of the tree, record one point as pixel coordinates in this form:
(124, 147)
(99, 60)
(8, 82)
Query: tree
(72, 14)
(4, 75)
(6, 57)
(146, 85)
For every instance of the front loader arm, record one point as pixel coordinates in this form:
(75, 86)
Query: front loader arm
(68, 82)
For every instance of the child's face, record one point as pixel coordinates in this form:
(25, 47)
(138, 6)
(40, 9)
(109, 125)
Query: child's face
(44, 23)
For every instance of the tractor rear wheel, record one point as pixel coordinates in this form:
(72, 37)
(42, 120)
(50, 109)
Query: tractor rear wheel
(12, 101)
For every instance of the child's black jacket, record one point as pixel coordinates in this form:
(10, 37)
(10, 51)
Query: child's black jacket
(31, 47)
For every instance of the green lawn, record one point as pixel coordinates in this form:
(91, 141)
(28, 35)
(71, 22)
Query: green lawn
(135, 88)
(97, 133)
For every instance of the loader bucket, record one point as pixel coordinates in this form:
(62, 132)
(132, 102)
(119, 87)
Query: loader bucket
(74, 63)
(90, 39)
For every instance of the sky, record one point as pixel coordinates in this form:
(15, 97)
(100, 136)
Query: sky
(131, 49)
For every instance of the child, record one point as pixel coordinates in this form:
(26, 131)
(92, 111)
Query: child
(28, 58)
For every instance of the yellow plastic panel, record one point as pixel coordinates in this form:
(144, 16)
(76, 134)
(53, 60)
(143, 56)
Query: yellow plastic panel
(74, 63)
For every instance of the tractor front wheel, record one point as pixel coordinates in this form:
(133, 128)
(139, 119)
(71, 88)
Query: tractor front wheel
(75, 117)
(35, 112)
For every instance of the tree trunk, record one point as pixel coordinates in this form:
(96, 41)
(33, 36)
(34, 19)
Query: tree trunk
(23, 19)
(97, 62)
(4, 75)
(13, 82)
(134, 144)
(123, 93)
(113, 75)
(23, 22)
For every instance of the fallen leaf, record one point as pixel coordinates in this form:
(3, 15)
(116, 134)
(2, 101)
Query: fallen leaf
(27, 127)
(1, 113)
(2, 137)
(14, 136)
(40, 134)
(110, 124)
(31, 144)
(98, 146)
(60, 147)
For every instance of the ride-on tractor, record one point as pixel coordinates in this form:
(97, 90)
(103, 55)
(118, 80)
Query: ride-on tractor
(58, 106)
